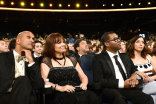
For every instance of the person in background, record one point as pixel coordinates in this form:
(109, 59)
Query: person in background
(81, 48)
(95, 48)
(76, 37)
(3, 46)
(12, 44)
(100, 47)
(70, 39)
(90, 46)
(38, 48)
(123, 47)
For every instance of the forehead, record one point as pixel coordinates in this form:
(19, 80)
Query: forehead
(113, 35)
(1, 41)
(28, 34)
(83, 41)
(122, 43)
(38, 43)
(141, 39)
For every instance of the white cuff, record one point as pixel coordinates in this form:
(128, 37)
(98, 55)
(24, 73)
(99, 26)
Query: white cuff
(121, 83)
(29, 65)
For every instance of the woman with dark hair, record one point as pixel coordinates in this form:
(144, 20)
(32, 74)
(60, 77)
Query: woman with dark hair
(63, 74)
(154, 51)
(138, 51)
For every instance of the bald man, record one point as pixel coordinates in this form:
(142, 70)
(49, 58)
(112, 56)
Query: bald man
(19, 74)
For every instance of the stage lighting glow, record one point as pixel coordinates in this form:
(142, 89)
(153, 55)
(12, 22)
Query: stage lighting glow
(68, 5)
(32, 4)
(12, 3)
(130, 4)
(41, 4)
(121, 4)
(2, 2)
(139, 3)
(149, 3)
(112, 4)
(104, 5)
(74, 10)
(86, 5)
(77, 5)
(50, 5)
(60, 5)
(22, 3)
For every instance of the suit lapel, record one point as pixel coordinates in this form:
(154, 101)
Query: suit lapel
(26, 67)
(124, 62)
(109, 61)
(10, 62)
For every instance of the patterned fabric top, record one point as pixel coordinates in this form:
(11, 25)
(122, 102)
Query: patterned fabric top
(145, 67)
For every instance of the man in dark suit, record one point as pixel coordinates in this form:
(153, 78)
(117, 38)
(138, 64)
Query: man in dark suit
(116, 73)
(81, 48)
(19, 74)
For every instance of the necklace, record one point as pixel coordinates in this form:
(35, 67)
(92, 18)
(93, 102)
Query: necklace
(59, 58)
(60, 63)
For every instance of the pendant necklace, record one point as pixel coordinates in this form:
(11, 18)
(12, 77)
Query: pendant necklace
(60, 59)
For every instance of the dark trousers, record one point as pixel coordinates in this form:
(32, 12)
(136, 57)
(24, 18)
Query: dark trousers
(21, 93)
(121, 96)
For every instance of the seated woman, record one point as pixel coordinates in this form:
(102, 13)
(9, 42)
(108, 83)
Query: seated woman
(138, 51)
(153, 48)
(63, 74)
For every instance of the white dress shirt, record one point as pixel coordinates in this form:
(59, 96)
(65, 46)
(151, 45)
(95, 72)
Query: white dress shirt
(80, 55)
(21, 65)
(36, 56)
(116, 68)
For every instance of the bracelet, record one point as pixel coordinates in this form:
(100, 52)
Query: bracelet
(55, 86)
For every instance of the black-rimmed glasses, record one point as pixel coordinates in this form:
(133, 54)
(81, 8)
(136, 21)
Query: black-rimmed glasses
(114, 39)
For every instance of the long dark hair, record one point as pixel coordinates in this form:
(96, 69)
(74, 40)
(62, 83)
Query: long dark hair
(130, 47)
(49, 49)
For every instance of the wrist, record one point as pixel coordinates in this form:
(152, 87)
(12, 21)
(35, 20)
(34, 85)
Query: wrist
(55, 86)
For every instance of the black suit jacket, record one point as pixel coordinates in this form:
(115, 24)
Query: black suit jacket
(7, 73)
(38, 59)
(103, 69)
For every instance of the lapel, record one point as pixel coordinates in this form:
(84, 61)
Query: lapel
(10, 62)
(109, 61)
(125, 64)
(26, 67)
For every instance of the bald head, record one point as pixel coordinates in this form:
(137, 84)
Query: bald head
(25, 40)
(21, 34)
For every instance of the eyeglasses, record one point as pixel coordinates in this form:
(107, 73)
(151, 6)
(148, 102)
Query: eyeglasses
(114, 39)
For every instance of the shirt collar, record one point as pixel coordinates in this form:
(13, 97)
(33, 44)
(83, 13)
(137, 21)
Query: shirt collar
(15, 53)
(80, 55)
(36, 56)
(112, 54)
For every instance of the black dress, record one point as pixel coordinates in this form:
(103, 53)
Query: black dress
(67, 76)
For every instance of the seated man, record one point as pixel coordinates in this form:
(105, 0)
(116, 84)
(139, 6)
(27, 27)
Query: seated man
(19, 74)
(3, 46)
(115, 71)
(81, 48)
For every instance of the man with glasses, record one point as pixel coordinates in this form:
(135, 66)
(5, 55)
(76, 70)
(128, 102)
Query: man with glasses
(116, 72)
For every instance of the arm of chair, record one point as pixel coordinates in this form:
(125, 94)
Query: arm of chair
(47, 90)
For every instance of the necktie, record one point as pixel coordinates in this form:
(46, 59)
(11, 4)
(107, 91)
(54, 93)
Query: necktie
(120, 67)
(19, 58)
